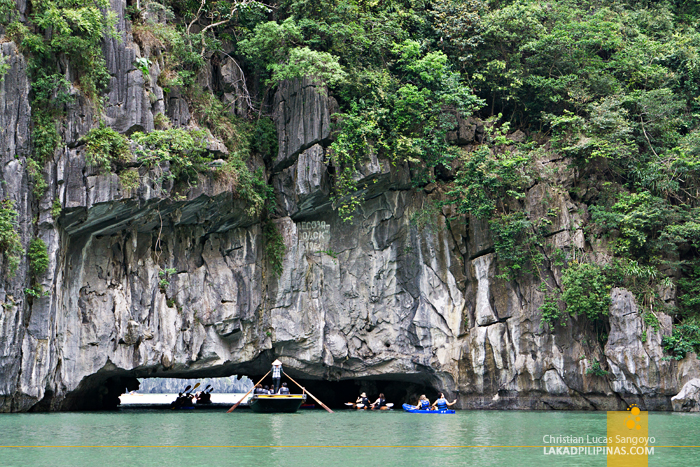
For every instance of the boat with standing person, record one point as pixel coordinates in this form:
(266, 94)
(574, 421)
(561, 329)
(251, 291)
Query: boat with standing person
(277, 403)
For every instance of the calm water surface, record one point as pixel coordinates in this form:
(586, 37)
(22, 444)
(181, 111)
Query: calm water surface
(316, 438)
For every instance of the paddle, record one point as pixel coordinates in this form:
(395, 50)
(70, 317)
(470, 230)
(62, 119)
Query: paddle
(195, 387)
(246, 394)
(306, 391)
(350, 404)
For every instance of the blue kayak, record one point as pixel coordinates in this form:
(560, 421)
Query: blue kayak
(411, 409)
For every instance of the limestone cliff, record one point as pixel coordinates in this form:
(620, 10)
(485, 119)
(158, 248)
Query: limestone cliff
(385, 298)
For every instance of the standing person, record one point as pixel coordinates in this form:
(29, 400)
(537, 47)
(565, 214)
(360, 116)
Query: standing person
(442, 404)
(276, 375)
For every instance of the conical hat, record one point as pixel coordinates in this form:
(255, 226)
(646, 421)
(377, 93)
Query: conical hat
(276, 362)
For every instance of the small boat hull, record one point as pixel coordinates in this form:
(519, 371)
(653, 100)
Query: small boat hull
(277, 403)
(411, 409)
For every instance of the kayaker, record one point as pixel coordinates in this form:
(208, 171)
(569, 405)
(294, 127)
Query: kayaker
(423, 403)
(380, 402)
(442, 404)
(362, 400)
(277, 374)
(284, 389)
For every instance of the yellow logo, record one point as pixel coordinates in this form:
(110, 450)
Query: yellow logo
(628, 438)
(635, 418)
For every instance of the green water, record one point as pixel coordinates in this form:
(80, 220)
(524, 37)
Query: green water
(315, 438)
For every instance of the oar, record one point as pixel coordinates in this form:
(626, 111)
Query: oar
(307, 391)
(246, 394)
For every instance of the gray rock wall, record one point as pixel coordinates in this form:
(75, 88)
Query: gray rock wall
(141, 285)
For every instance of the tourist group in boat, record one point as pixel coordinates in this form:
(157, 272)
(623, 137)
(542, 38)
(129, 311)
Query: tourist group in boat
(188, 398)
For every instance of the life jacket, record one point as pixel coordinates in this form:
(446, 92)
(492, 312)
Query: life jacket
(442, 404)
(364, 401)
(425, 405)
(382, 403)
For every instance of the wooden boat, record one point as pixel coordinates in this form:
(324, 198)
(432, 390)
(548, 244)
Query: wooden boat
(275, 403)
(412, 409)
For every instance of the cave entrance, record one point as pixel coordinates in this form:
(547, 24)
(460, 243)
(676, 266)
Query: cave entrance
(397, 389)
(102, 392)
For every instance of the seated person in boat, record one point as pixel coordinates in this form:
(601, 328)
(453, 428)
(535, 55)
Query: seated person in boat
(380, 402)
(284, 389)
(423, 403)
(442, 404)
(362, 400)
(204, 397)
(259, 389)
(268, 390)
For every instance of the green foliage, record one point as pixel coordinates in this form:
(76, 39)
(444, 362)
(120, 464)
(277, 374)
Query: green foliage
(550, 308)
(45, 137)
(105, 147)
(38, 256)
(71, 28)
(10, 242)
(37, 178)
(586, 290)
(427, 216)
(36, 291)
(165, 276)
(269, 43)
(184, 150)
(596, 369)
(211, 113)
(303, 61)
(274, 247)
(516, 243)
(264, 139)
(4, 68)
(640, 219)
(401, 117)
(161, 122)
(330, 253)
(143, 64)
(459, 24)
(129, 179)
(56, 208)
(685, 338)
(489, 177)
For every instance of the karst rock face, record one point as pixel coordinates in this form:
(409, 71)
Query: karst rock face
(141, 283)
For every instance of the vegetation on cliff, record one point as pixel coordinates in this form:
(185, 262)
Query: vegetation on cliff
(607, 88)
